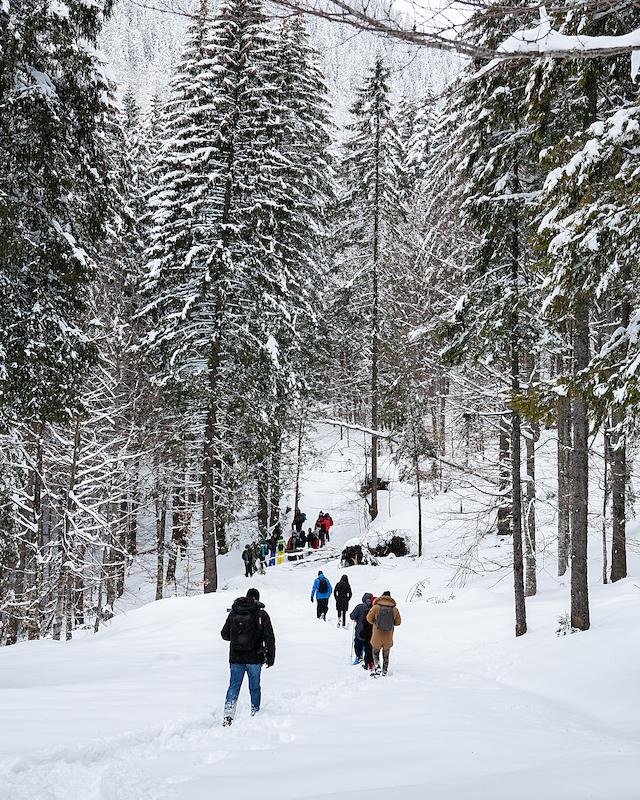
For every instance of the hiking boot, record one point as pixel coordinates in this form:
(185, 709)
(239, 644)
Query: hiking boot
(254, 711)
(227, 721)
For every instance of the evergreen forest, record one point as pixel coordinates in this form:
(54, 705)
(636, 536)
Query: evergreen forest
(262, 232)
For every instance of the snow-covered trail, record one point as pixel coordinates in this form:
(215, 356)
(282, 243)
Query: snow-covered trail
(134, 713)
(468, 713)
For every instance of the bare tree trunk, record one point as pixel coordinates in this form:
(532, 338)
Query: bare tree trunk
(132, 521)
(178, 532)
(296, 503)
(618, 498)
(275, 492)
(38, 585)
(68, 603)
(580, 478)
(77, 596)
(418, 488)
(263, 499)
(443, 391)
(210, 479)
(531, 580)
(605, 501)
(375, 321)
(619, 468)
(504, 509)
(516, 487)
(161, 524)
(96, 624)
(64, 580)
(564, 483)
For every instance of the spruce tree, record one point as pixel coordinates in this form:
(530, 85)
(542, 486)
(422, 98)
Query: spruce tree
(229, 268)
(586, 266)
(372, 207)
(53, 200)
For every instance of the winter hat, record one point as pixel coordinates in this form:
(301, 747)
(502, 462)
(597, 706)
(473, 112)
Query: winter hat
(386, 594)
(253, 593)
(344, 578)
(320, 572)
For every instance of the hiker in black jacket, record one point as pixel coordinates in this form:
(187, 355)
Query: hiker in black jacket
(363, 631)
(252, 643)
(342, 594)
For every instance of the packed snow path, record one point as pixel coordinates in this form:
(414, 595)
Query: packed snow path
(134, 712)
(468, 713)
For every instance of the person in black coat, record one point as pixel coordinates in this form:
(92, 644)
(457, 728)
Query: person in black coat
(363, 631)
(252, 643)
(342, 593)
(299, 520)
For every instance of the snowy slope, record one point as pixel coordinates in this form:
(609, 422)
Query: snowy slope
(469, 711)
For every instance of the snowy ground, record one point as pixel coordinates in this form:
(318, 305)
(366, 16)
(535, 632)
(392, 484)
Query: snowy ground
(469, 711)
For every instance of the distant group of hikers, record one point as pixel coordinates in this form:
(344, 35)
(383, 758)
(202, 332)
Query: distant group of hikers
(375, 619)
(273, 550)
(252, 642)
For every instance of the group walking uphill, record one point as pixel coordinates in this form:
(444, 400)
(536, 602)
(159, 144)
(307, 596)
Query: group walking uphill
(274, 548)
(375, 619)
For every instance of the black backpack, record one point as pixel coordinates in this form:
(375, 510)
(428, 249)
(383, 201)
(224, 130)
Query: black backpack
(322, 585)
(244, 630)
(384, 620)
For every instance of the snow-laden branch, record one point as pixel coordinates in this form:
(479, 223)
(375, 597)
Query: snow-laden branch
(542, 40)
(448, 28)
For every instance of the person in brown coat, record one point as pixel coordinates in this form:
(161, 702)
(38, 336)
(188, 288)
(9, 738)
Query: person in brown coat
(384, 616)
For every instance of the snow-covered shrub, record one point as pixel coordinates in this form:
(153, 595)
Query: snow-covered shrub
(564, 621)
(367, 549)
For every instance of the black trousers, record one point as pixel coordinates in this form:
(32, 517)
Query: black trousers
(323, 607)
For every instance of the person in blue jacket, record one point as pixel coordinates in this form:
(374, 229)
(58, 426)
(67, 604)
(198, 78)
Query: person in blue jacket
(322, 591)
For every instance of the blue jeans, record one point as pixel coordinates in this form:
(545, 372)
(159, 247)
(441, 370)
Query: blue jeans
(237, 676)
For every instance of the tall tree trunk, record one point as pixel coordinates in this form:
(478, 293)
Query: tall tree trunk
(64, 579)
(516, 487)
(275, 492)
(504, 509)
(78, 590)
(178, 533)
(531, 580)
(619, 469)
(296, 503)
(68, 605)
(580, 478)
(375, 321)
(565, 447)
(618, 498)
(161, 524)
(210, 480)
(419, 490)
(38, 584)
(263, 499)
(132, 520)
(605, 501)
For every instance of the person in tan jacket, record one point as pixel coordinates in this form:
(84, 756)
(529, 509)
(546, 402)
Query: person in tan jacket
(384, 616)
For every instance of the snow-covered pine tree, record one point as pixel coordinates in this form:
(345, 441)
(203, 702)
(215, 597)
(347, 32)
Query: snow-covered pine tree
(586, 262)
(54, 206)
(494, 320)
(53, 202)
(371, 206)
(227, 259)
(297, 228)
